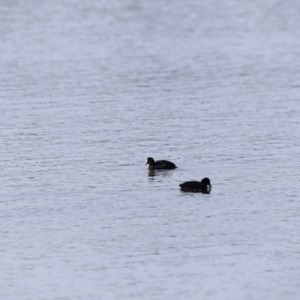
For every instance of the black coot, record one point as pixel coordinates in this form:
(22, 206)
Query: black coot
(195, 186)
(160, 164)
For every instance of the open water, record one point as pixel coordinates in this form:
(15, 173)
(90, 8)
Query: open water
(89, 90)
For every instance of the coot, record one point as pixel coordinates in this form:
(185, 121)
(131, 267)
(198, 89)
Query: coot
(195, 186)
(159, 164)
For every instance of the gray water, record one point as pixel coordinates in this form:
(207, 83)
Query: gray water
(89, 90)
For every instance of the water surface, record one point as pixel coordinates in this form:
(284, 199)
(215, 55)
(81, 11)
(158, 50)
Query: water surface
(90, 90)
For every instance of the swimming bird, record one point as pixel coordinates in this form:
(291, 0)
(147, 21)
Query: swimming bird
(195, 186)
(160, 164)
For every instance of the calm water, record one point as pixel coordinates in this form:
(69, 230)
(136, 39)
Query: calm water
(90, 90)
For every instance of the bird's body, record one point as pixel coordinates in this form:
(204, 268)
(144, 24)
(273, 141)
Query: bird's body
(159, 164)
(196, 186)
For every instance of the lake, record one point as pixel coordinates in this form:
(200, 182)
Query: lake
(89, 90)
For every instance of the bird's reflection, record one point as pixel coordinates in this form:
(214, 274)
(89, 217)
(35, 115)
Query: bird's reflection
(163, 173)
(151, 173)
